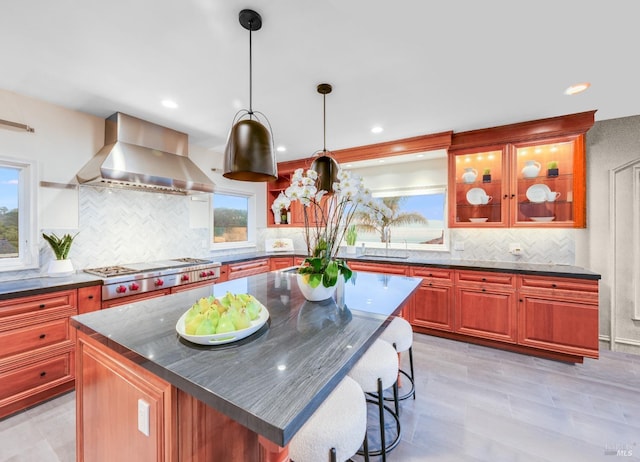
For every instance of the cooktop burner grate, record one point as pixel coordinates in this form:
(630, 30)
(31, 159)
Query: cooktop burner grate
(190, 260)
(108, 271)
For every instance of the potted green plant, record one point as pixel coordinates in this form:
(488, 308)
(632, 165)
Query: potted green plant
(552, 168)
(350, 237)
(61, 246)
(486, 175)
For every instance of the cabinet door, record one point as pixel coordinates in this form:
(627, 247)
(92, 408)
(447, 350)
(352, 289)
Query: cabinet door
(224, 274)
(248, 268)
(276, 263)
(549, 183)
(478, 187)
(89, 299)
(377, 267)
(558, 325)
(110, 431)
(432, 307)
(485, 313)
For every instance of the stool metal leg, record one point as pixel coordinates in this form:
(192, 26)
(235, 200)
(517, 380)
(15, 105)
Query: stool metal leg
(411, 369)
(381, 411)
(332, 455)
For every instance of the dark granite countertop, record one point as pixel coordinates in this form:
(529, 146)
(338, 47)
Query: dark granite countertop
(273, 381)
(552, 270)
(43, 285)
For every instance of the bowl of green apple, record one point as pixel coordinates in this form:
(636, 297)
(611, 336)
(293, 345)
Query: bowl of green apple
(219, 320)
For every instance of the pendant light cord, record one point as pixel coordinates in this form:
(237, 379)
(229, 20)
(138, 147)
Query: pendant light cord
(324, 123)
(250, 75)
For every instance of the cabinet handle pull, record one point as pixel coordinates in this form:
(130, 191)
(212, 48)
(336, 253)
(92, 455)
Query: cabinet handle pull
(506, 196)
(43, 373)
(90, 297)
(521, 300)
(42, 305)
(43, 336)
(554, 286)
(484, 279)
(430, 284)
(484, 290)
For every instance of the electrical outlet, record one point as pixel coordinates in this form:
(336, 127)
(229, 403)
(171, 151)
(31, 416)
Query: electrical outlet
(458, 245)
(515, 249)
(143, 417)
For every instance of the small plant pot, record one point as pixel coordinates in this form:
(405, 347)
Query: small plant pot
(486, 178)
(551, 172)
(60, 268)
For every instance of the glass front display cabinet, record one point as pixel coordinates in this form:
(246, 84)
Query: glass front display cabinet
(540, 183)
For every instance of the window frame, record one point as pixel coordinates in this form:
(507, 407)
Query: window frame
(251, 220)
(27, 215)
(433, 189)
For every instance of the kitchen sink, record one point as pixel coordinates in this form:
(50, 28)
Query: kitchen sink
(398, 257)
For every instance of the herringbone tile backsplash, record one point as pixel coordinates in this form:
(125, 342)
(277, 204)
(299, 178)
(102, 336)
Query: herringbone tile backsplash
(120, 226)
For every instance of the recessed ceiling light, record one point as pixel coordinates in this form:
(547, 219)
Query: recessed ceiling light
(376, 129)
(281, 149)
(169, 104)
(577, 88)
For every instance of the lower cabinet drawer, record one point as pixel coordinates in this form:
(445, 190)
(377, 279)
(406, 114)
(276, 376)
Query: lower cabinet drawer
(33, 337)
(35, 375)
(241, 270)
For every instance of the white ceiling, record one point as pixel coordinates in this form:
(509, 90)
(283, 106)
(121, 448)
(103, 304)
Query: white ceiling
(413, 66)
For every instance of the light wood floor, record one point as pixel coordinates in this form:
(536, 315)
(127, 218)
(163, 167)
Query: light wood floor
(473, 404)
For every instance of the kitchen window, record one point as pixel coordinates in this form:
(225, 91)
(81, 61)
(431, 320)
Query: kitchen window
(417, 220)
(234, 218)
(18, 224)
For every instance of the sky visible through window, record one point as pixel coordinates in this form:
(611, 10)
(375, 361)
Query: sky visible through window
(9, 187)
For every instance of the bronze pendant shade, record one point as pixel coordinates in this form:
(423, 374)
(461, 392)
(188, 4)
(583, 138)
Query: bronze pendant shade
(250, 153)
(325, 166)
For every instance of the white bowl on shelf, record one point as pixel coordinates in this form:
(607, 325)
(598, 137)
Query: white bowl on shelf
(542, 219)
(478, 220)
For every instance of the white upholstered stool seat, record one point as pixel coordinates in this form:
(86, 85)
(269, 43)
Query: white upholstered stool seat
(399, 333)
(339, 423)
(376, 371)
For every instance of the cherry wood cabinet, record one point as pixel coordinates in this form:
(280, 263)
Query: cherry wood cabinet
(248, 268)
(181, 428)
(89, 299)
(432, 304)
(356, 265)
(277, 263)
(559, 314)
(109, 431)
(36, 349)
(224, 273)
(531, 174)
(485, 305)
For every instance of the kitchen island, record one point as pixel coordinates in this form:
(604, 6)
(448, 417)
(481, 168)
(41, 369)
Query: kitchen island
(241, 401)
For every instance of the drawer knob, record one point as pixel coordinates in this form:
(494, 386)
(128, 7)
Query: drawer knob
(43, 336)
(554, 286)
(90, 297)
(484, 279)
(42, 305)
(484, 290)
(43, 373)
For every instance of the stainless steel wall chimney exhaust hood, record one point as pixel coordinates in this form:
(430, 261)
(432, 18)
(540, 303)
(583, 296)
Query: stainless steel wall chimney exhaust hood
(141, 155)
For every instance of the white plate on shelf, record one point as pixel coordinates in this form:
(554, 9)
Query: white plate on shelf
(538, 193)
(542, 219)
(227, 337)
(475, 196)
(478, 220)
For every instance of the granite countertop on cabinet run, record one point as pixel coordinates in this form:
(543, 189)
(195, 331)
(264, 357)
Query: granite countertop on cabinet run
(43, 285)
(274, 380)
(540, 269)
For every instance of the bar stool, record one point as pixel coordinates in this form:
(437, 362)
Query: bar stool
(376, 371)
(400, 334)
(336, 429)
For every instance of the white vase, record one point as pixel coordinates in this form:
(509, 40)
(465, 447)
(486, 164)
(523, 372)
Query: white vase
(531, 169)
(315, 294)
(469, 175)
(60, 268)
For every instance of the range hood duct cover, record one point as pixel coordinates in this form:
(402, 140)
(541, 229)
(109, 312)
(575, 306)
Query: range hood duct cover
(141, 155)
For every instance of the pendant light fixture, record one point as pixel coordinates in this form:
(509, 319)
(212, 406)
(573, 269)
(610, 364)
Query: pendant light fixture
(325, 166)
(250, 153)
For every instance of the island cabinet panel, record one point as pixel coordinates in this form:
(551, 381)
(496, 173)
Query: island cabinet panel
(89, 299)
(485, 305)
(432, 304)
(108, 430)
(248, 268)
(277, 263)
(559, 315)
